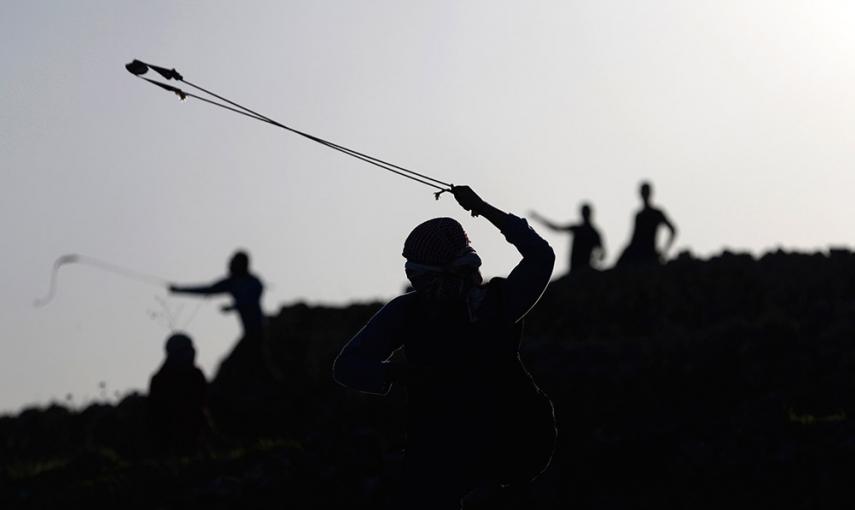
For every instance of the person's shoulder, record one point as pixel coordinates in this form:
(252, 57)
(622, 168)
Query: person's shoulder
(158, 379)
(650, 212)
(155, 378)
(495, 284)
(402, 301)
(398, 308)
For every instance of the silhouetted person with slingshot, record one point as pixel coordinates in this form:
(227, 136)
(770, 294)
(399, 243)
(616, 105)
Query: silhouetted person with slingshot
(642, 249)
(587, 244)
(244, 288)
(476, 417)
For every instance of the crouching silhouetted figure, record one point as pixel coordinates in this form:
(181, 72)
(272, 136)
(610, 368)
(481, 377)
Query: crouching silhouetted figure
(177, 398)
(476, 417)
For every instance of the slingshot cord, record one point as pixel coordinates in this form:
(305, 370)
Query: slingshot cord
(97, 263)
(138, 68)
(317, 139)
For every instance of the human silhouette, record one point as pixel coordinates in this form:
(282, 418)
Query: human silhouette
(642, 249)
(476, 417)
(587, 244)
(177, 399)
(249, 368)
(244, 287)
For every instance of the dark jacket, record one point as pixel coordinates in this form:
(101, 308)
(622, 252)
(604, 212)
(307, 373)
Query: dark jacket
(470, 397)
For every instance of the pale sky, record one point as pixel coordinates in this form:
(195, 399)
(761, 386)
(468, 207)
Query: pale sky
(740, 112)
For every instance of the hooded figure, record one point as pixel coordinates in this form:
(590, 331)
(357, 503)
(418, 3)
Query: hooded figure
(475, 416)
(177, 398)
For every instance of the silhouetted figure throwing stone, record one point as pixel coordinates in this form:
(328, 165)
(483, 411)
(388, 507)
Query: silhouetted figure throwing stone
(476, 417)
(642, 249)
(245, 289)
(177, 399)
(587, 243)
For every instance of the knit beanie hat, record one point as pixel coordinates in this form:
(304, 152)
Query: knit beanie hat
(436, 242)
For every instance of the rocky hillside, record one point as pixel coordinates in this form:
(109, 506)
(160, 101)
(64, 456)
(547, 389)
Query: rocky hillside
(701, 384)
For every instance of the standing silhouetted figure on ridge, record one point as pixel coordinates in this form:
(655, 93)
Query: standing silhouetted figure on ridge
(245, 289)
(642, 249)
(476, 417)
(177, 399)
(586, 243)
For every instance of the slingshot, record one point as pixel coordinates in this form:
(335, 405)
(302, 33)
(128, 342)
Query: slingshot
(138, 69)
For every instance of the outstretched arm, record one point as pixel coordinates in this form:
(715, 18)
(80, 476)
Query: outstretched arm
(549, 224)
(219, 287)
(529, 278)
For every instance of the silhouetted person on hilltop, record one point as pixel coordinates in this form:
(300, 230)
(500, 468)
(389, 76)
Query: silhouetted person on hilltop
(177, 399)
(642, 249)
(476, 417)
(587, 242)
(249, 364)
(245, 289)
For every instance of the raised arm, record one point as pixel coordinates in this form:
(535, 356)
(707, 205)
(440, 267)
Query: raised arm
(363, 363)
(529, 278)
